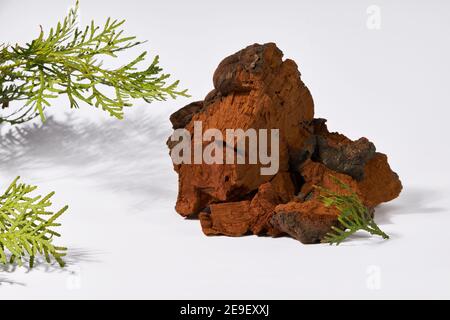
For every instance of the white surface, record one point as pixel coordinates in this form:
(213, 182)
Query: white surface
(126, 241)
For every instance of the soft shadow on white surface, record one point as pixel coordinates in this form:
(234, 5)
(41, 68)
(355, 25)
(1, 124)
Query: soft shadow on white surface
(74, 257)
(6, 281)
(412, 200)
(128, 155)
(124, 164)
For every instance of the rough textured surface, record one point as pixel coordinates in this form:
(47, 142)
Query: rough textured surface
(249, 217)
(255, 88)
(349, 158)
(380, 183)
(339, 153)
(305, 221)
(231, 219)
(183, 116)
(270, 194)
(317, 174)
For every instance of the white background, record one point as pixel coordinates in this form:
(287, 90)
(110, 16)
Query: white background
(125, 239)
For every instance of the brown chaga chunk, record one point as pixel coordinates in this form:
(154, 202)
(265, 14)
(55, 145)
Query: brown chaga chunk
(270, 194)
(256, 89)
(245, 217)
(253, 89)
(356, 163)
(203, 184)
(349, 158)
(339, 153)
(317, 174)
(230, 219)
(307, 221)
(380, 183)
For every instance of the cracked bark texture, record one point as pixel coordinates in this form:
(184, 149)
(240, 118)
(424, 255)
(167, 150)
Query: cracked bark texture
(256, 88)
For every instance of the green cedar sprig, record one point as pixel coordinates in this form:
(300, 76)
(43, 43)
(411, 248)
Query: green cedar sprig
(354, 215)
(67, 62)
(26, 226)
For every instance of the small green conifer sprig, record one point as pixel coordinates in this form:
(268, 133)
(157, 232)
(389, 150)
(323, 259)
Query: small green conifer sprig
(26, 226)
(354, 215)
(67, 62)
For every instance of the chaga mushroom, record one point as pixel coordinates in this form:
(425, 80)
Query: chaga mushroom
(256, 89)
(307, 221)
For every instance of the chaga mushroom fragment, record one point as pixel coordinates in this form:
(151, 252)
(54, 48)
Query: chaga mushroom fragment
(253, 89)
(380, 183)
(230, 219)
(256, 89)
(341, 154)
(249, 217)
(349, 158)
(307, 221)
(269, 195)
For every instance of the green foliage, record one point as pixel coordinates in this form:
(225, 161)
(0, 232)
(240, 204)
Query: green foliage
(66, 62)
(354, 215)
(26, 226)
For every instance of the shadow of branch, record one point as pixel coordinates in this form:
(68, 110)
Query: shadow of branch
(7, 281)
(128, 155)
(74, 256)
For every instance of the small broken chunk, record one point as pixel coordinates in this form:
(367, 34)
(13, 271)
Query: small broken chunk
(307, 221)
(249, 217)
(270, 194)
(349, 158)
(380, 183)
(317, 174)
(231, 219)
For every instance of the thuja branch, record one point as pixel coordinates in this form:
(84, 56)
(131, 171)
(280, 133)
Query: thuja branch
(354, 215)
(27, 226)
(67, 61)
